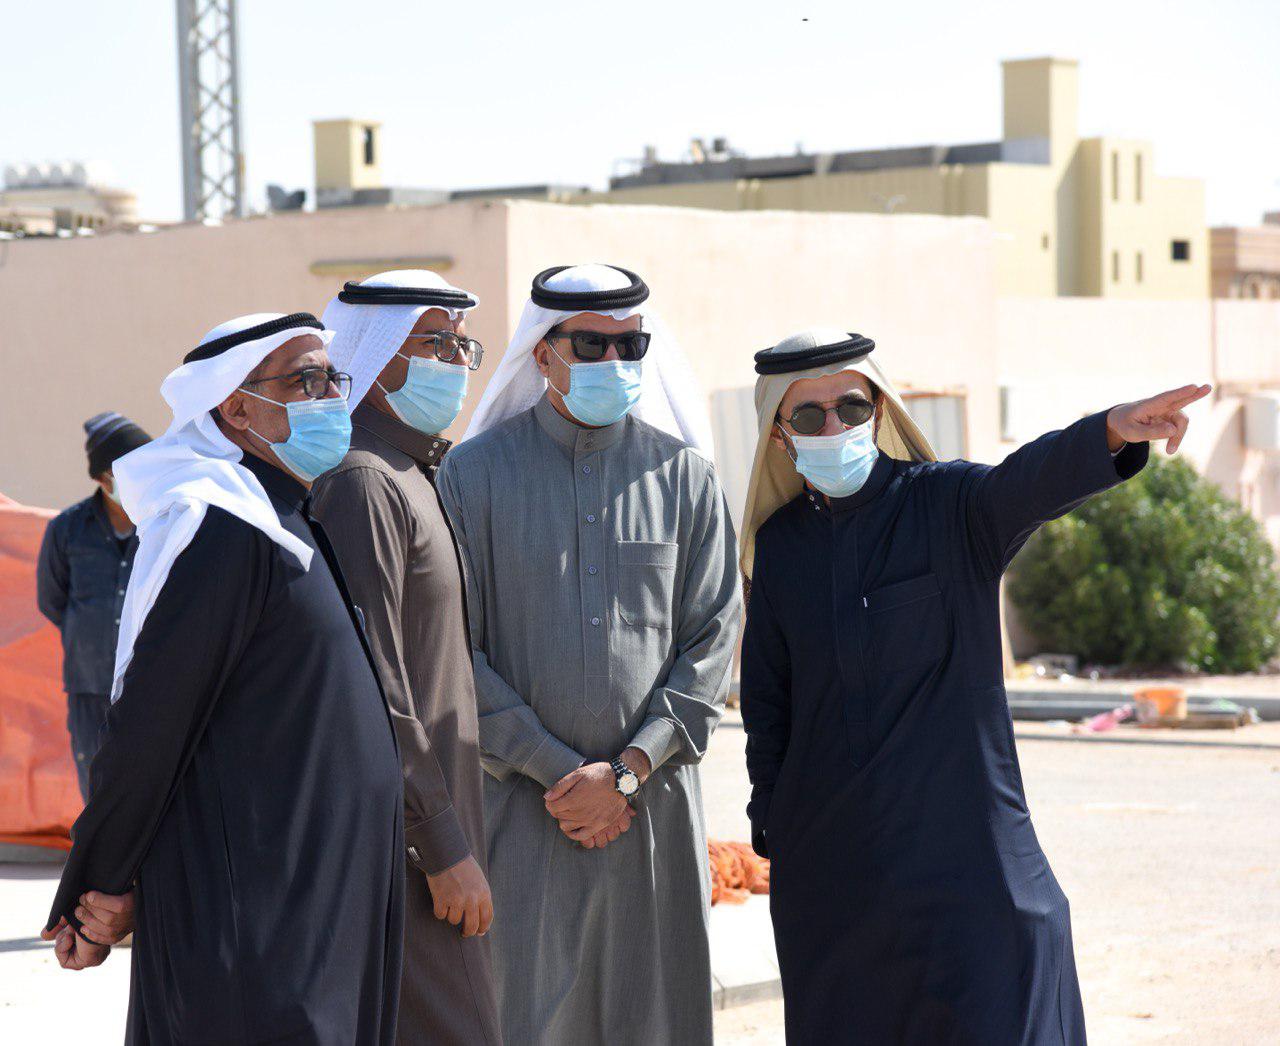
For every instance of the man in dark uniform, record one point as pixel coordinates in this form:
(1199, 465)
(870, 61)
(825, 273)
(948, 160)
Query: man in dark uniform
(249, 781)
(910, 898)
(81, 576)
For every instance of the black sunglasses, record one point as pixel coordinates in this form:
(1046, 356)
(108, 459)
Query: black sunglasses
(315, 381)
(808, 419)
(591, 346)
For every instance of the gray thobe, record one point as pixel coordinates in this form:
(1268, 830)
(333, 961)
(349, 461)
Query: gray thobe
(604, 607)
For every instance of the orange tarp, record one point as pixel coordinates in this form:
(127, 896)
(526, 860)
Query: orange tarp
(39, 797)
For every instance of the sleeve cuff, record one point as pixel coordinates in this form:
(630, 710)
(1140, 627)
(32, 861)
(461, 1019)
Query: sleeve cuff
(656, 738)
(437, 843)
(551, 761)
(1131, 459)
(1124, 463)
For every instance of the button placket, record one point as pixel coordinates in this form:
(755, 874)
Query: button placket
(591, 578)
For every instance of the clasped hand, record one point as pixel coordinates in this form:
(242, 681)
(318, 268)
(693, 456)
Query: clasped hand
(588, 807)
(106, 920)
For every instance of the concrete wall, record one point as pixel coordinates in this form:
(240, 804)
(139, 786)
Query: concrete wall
(1247, 342)
(731, 284)
(94, 324)
(1063, 358)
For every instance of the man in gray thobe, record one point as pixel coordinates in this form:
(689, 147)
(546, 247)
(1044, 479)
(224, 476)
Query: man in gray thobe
(604, 608)
(401, 336)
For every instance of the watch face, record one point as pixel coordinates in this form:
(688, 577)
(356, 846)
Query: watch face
(628, 784)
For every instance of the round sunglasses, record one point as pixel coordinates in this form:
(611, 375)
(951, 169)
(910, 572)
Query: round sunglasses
(808, 419)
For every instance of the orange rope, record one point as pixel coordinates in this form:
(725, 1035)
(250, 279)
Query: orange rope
(736, 872)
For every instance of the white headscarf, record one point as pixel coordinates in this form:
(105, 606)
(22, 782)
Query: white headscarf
(167, 486)
(366, 336)
(670, 397)
(774, 479)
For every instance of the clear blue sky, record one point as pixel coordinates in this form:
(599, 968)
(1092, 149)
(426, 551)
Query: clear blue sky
(487, 93)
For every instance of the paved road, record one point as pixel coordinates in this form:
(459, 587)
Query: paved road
(1170, 855)
(1171, 859)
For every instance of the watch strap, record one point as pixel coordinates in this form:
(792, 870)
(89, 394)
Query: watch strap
(619, 769)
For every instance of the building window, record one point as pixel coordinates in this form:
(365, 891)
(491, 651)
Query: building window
(941, 418)
(1137, 177)
(1180, 250)
(369, 158)
(1044, 241)
(1137, 267)
(1115, 176)
(1115, 266)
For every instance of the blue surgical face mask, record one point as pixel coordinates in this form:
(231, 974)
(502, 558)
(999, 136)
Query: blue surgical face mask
(319, 435)
(837, 465)
(431, 396)
(601, 393)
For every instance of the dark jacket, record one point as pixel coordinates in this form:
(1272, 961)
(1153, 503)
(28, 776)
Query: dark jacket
(80, 583)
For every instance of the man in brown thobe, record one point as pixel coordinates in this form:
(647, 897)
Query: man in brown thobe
(401, 336)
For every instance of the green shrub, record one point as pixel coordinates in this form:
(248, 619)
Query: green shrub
(1160, 571)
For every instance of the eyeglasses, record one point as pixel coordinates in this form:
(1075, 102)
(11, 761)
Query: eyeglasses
(808, 419)
(448, 345)
(591, 346)
(315, 381)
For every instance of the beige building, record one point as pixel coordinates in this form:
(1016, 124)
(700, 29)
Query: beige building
(44, 199)
(1072, 216)
(1245, 262)
(94, 323)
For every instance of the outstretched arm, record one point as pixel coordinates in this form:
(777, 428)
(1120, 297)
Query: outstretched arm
(1005, 503)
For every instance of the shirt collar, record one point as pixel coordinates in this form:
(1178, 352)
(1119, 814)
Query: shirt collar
(425, 450)
(275, 481)
(880, 473)
(572, 437)
(97, 505)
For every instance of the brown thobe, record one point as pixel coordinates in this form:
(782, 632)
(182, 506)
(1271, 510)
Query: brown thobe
(384, 518)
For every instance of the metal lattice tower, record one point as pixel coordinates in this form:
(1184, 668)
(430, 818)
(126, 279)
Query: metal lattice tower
(208, 79)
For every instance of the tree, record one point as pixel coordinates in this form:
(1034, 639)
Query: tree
(1157, 572)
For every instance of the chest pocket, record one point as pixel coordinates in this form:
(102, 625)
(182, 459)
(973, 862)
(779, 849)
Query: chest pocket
(646, 582)
(907, 623)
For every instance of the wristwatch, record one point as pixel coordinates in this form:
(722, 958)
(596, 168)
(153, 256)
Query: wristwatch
(625, 780)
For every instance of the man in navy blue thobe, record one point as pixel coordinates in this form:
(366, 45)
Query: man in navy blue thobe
(910, 898)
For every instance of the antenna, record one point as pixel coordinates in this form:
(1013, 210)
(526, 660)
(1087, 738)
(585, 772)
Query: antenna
(209, 87)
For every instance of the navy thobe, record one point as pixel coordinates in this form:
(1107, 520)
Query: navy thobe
(249, 785)
(910, 898)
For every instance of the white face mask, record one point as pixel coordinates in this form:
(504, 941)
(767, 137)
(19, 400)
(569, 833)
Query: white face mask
(837, 465)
